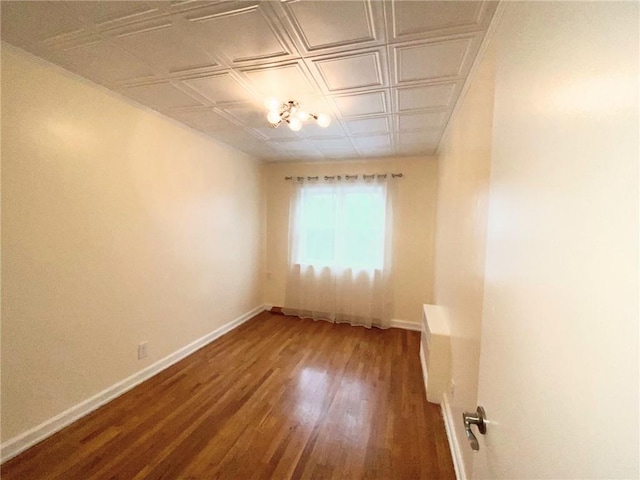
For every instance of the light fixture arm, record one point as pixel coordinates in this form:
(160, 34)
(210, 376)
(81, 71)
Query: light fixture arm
(291, 113)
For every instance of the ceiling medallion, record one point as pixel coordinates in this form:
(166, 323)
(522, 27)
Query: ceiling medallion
(291, 113)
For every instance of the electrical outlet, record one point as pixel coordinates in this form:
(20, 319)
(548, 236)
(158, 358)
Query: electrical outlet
(452, 387)
(142, 350)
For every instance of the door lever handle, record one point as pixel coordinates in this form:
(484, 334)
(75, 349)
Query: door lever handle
(476, 418)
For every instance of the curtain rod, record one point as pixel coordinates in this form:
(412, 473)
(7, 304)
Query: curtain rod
(347, 177)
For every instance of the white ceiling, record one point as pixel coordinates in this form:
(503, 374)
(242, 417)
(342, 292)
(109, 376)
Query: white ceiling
(388, 72)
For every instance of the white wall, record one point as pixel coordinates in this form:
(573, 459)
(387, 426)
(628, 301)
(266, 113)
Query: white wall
(464, 161)
(118, 226)
(414, 226)
(559, 357)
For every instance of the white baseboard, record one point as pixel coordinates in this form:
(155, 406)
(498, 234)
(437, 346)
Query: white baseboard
(22, 442)
(405, 325)
(454, 445)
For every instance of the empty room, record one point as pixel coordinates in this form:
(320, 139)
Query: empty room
(328, 239)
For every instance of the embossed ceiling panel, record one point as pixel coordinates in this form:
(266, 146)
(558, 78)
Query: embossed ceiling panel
(406, 20)
(424, 97)
(370, 142)
(32, 22)
(292, 145)
(321, 25)
(163, 46)
(339, 153)
(388, 73)
(368, 125)
(362, 104)
(312, 130)
(277, 133)
(104, 61)
(241, 34)
(331, 143)
(353, 71)
(111, 12)
(422, 121)
(422, 138)
(247, 114)
(221, 88)
(162, 96)
(444, 59)
(286, 81)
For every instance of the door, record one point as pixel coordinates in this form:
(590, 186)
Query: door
(559, 353)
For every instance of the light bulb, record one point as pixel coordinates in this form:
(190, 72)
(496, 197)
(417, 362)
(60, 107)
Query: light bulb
(295, 124)
(273, 117)
(302, 115)
(323, 120)
(272, 104)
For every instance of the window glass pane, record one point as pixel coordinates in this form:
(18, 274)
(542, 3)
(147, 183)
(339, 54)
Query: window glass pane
(342, 226)
(319, 209)
(364, 227)
(319, 246)
(318, 226)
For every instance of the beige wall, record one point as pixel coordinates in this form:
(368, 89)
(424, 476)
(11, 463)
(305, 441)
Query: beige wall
(464, 160)
(413, 233)
(118, 226)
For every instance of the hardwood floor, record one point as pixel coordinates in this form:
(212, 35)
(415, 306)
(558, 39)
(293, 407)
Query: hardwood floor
(278, 397)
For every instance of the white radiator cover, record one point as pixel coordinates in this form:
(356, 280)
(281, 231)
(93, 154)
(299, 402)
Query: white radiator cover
(436, 348)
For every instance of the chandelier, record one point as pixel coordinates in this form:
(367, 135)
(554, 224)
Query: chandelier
(291, 113)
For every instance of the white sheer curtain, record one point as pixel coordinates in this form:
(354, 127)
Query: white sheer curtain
(340, 245)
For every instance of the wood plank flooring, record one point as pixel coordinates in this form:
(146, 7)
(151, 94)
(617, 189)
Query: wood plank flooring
(278, 397)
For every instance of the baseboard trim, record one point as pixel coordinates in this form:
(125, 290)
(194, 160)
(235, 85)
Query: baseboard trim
(405, 325)
(26, 440)
(454, 445)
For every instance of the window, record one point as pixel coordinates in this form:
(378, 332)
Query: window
(341, 225)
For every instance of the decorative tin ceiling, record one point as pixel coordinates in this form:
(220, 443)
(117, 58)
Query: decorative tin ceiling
(388, 72)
